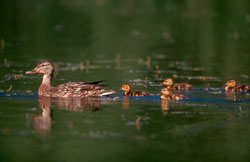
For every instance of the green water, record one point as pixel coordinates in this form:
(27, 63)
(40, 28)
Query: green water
(200, 42)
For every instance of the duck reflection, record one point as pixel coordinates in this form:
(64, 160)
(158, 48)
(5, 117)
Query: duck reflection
(78, 104)
(43, 122)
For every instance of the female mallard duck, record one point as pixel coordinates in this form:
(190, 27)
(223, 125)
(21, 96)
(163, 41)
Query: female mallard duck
(71, 89)
(165, 94)
(231, 86)
(127, 91)
(181, 86)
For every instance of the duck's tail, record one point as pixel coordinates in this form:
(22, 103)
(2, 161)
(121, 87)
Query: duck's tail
(97, 83)
(108, 92)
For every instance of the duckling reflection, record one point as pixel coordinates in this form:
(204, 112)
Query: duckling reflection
(231, 96)
(164, 106)
(125, 103)
(137, 123)
(240, 112)
(43, 122)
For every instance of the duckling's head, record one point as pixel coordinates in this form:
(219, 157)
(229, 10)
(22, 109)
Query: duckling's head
(126, 87)
(45, 68)
(168, 82)
(231, 83)
(165, 91)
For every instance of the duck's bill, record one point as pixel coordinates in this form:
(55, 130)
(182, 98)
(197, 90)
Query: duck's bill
(161, 84)
(32, 72)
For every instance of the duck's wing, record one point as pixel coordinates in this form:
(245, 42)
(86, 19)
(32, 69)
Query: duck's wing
(79, 89)
(242, 88)
(79, 86)
(96, 82)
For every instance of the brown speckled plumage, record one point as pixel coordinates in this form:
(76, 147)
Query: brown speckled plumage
(71, 89)
(166, 94)
(181, 86)
(127, 91)
(232, 86)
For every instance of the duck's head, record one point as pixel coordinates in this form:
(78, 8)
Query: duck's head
(126, 87)
(165, 91)
(231, 83)
(168, 82)
(42, 68)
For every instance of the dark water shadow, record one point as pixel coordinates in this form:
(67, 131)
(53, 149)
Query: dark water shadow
(18, 95)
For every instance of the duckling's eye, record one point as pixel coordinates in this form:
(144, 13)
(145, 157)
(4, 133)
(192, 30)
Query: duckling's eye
(43, 65)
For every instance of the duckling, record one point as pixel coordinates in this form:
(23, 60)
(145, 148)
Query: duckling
(165, 94)
(71, 89)
(231, 86)
(181, 86)
(127, 91)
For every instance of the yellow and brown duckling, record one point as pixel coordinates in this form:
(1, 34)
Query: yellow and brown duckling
(181, 86)
(71, 89)
(127, 91)
(166, 94)
(232, 86)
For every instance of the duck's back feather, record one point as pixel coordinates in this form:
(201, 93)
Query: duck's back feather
(79, 86)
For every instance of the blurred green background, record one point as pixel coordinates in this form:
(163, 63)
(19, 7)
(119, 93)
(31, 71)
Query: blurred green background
(212, 34)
